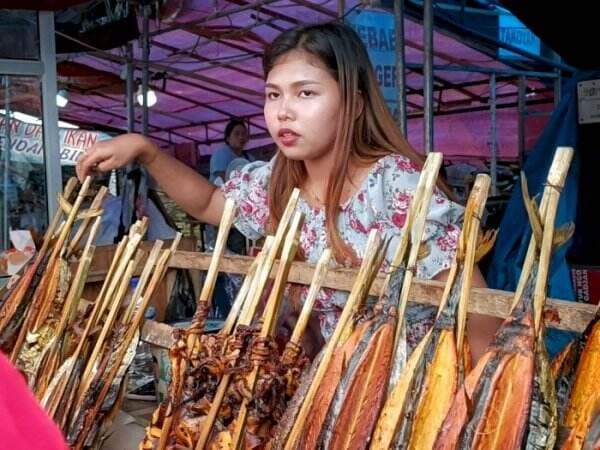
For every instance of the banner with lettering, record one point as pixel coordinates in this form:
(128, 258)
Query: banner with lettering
(377, 31)
(27, 145)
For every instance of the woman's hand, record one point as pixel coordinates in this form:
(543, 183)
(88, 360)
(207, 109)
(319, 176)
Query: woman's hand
(115, 153)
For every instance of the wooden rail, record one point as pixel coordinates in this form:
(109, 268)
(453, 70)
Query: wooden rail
(559, 314)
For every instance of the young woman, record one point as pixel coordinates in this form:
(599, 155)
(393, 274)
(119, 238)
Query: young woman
(339, 144)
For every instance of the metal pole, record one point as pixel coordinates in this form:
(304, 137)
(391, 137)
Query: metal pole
(428, 73)
(50, 111)
(522, 109)
(494, 136)
(7, 145)
(145, 69)
(341, 5)
(557, 87)
(400, 62)
(130, 91)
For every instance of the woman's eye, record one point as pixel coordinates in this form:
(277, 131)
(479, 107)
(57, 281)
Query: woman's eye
(306, 93)
(272, 95)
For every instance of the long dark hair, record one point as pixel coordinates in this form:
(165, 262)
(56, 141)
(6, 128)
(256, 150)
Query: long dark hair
(364, 134)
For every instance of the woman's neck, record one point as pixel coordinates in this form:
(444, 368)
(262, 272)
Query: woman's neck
(318, 172)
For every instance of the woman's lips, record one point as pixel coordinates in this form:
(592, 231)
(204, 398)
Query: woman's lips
(288, 137)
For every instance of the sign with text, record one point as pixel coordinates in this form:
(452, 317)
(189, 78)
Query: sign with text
(378, 32)
(588, 101)
(27, 144)
(512, 31)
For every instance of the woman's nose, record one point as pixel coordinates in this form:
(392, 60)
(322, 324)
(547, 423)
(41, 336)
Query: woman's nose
(286, 110)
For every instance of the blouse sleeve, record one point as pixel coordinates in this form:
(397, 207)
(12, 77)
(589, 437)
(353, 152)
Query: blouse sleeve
(442, 229)
(248, 188)
(444, 219)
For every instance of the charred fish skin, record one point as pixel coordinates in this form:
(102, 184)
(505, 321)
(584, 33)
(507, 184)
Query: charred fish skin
(543, 417)
(340, 394)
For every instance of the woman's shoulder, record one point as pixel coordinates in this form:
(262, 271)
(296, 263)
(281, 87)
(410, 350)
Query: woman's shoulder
(255, 170)
(396, 162)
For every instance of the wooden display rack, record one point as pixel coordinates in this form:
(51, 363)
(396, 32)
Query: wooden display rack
(559, 314)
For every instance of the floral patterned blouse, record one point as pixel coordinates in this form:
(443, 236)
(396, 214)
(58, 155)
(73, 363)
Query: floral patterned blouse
(381, 202)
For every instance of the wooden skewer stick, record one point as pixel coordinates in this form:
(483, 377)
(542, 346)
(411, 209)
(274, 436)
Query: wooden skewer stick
(108, 324)
(39, 297)
(416, 234)
(95, 205)
(220, 244)
(478, 197)
(122, 349)
(72, 297)
(562, 154)
(315, 287)
(371, 251)
(66, 228)
(204, 300)
(246, 316)
(241, 297)
(556, 180)
(135, 237)
(270, 319)
(431, 166)
(69, 188)
(144, 278)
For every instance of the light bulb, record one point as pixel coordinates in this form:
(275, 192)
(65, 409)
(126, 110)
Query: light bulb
(62, 98)
(150, 97)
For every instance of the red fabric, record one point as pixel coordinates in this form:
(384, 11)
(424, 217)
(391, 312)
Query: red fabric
(23, 423)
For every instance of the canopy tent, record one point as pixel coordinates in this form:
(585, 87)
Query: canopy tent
(205, 66)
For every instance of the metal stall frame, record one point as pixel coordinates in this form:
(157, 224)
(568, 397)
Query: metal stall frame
(45, 68)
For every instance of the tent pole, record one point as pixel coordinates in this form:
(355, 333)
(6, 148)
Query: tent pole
(145, 68)
(400, 64)
(428, 73)
(522, 112)
(130, 90)
(494, 136)
(341, 9)
(7, 145)
(557, 87)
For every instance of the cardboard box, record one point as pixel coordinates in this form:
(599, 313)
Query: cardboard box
(586, 283)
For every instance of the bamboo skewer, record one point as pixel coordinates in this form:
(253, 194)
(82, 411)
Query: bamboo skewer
(246, 315)
(95, 206)
(38, 300)
(556, 181)
(395, 418)
(371, 254)
(69, 188)
(135, 237)
(144, 278)
(315, 287)
(203, 305)
(132, 329)
(431, 166)
(503, 379)
(221, 242)
(10, 307)
(416, 232)
(270, 317)
(411, 243)
(241, 296)
(565, 154)
(115, 305)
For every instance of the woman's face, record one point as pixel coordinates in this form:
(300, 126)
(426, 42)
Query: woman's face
(302, 106)
(238, 137)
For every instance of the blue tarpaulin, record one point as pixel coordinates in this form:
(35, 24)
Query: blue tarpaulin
(515, 231)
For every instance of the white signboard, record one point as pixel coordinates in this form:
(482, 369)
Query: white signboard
(26, 142)
(588, 101)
